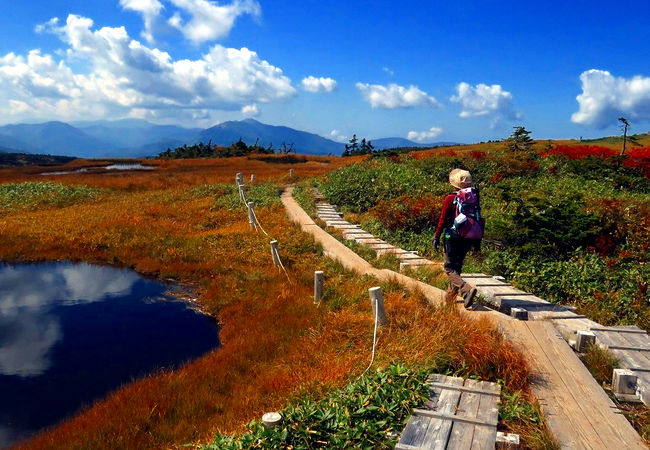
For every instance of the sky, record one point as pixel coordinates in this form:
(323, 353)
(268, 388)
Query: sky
(425, 70)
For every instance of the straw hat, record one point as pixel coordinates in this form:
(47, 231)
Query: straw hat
(460, 178)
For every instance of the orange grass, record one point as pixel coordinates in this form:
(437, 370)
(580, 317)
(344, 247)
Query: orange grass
(275, 342)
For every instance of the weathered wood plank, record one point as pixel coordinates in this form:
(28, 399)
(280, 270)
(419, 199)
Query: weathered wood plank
(485, 438)
(413, 434)
(446, 405)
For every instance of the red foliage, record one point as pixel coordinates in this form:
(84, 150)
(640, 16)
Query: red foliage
(580, 151)
(638, 157)
(478, 155)
(497, 177)
(409, 213)
(604, 244)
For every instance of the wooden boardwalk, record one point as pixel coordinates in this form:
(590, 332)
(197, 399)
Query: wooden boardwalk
(460, 415)
(629, 344)
(577, 409)
(332, 219)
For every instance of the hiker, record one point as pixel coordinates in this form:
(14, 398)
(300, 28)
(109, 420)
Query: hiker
(462, 225)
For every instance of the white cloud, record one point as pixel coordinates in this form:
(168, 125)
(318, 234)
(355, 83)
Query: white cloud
(484, 100)
(388, 71)
(150, 9)
(337, 136)
(313, 84)
(604, 98)
(395, 96)
(209, 21)
(120, 76)
(250, 110)
(422, 136)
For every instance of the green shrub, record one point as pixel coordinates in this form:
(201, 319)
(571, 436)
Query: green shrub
(367, 413)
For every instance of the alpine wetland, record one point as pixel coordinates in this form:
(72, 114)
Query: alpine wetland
(234, 224)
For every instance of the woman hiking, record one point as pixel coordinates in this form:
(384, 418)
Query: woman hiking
(461, 222)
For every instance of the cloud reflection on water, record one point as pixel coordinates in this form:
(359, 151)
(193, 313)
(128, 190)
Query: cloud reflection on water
(28, 330)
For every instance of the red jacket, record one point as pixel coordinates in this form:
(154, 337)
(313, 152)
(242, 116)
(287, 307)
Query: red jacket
(447, 215)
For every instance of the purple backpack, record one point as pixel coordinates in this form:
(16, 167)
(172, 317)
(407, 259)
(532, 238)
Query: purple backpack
(468, 222)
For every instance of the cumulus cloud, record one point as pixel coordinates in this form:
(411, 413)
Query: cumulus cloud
(337, 136)
(394, 96)
(422, 136)
(250, 110)
(150, 9)
(207, 20)
(484, 100)
(121, 76)
(605, 97)
(313, 84)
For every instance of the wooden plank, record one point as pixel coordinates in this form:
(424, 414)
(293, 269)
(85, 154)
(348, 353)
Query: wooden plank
(454, 417)
(446, 405)
(587, 407)
(485, 438)
(465, 389)
(634, 330)
(628, 359)
(462, 433)
(413, 434)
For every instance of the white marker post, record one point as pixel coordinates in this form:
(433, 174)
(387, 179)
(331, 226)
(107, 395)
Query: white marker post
(318, 286)
(251, 216)
(377, 301)
(274, 253)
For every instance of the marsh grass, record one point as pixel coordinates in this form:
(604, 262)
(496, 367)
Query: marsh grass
(276, 344)
(32, 195)
(601, 363)
(520, 414)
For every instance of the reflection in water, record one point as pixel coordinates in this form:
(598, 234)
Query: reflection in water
(26, 295)
(71, 333)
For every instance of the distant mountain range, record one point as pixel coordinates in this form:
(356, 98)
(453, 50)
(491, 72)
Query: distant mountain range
(139, 138)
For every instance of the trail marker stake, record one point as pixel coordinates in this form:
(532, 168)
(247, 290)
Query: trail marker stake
(251, 216)
(318, 286)
(274, 253)
(377, 301)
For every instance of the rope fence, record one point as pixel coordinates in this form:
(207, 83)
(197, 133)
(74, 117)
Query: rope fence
(255, 223)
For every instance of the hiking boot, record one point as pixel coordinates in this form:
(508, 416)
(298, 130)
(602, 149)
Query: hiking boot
(468, 298)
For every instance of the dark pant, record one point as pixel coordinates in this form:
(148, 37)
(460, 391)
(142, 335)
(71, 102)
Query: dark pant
(456, 249)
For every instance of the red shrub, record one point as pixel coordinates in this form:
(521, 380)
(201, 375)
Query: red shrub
(580, 151)
(478, 155)
(409, 213)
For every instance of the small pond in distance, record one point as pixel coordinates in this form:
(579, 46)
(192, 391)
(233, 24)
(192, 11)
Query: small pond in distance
(71, 333)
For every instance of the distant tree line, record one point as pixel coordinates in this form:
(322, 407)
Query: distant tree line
(239, 148)
(354, 148)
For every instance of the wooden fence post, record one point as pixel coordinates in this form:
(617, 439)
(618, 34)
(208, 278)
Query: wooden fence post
(272, 419)
(252, 177)
(251, 216)
(377, 301)
(239, 179)
(274, 253)
(290, 173)
(242, 192)
(318, 285)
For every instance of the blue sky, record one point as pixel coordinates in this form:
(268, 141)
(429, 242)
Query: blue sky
(455, 71)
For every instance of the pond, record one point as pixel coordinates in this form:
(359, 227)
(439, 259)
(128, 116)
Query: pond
(71, 333)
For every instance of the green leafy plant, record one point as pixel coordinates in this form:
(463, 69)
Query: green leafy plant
(367, 413)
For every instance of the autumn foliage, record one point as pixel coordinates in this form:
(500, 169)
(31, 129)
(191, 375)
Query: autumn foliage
(183, 222)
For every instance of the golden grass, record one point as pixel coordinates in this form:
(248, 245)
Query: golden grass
(275, 342)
